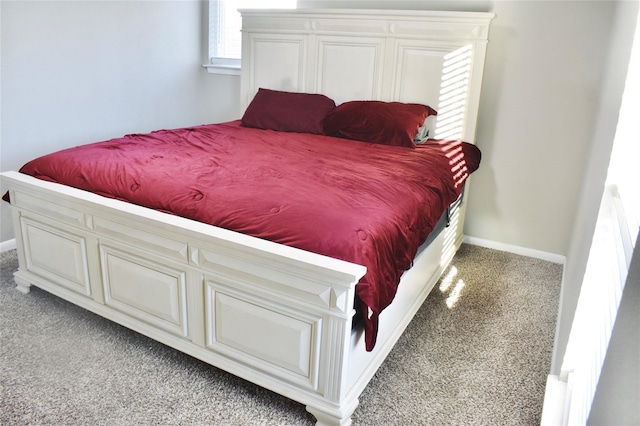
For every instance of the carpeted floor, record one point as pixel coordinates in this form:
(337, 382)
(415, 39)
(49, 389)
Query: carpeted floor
(479, 359)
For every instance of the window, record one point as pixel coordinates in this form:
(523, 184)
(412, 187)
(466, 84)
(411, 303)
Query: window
(225, 39)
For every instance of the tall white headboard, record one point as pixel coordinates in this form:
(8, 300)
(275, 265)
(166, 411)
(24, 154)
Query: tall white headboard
(434, 58)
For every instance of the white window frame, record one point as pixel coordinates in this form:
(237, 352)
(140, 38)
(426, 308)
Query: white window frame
(219, 62)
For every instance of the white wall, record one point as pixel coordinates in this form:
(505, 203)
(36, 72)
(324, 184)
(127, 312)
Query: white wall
(82, 71)
(538, 112)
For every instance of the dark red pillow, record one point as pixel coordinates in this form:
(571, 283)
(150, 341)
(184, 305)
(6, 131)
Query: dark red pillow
(287, 111)
(388, 123)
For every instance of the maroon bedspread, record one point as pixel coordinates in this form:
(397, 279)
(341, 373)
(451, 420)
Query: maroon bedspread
(364, 203)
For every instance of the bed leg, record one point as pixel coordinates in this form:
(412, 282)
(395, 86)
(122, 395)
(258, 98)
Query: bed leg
(22, 285)
(324, 418)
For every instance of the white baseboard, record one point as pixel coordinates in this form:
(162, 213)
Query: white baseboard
(555, 398)
(7, 245)
(550, 257)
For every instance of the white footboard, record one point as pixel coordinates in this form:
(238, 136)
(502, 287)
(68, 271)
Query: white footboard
(274, 315)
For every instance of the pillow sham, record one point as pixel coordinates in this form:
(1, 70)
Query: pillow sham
(287, 111)
(388, 123)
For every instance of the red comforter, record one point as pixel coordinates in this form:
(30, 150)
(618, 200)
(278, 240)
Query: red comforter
(365, 203)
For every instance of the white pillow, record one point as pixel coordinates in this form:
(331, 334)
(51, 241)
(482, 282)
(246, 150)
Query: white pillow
(427, 130)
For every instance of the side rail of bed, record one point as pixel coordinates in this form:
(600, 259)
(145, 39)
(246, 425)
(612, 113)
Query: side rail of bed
(271, 314)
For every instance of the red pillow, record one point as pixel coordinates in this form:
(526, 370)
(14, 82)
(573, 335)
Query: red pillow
(388, 123)
(287, 111)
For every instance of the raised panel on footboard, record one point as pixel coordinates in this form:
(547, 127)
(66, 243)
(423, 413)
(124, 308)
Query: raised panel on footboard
(56, 254)
(144, 289)
(270, 337)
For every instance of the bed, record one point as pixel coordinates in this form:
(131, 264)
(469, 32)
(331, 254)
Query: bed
(293, 314)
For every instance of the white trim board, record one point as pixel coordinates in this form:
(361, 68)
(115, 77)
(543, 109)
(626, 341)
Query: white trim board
(524, 251)
(7, 245)
(554, 409)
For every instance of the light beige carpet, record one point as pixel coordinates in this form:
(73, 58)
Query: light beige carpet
(479, 359)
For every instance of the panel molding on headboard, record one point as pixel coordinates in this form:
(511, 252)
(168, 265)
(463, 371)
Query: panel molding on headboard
(431, 57)
(349, 66)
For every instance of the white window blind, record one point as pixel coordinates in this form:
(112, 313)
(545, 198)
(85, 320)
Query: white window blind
(225, 39)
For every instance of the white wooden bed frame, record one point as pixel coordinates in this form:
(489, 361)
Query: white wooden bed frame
(274, 315)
